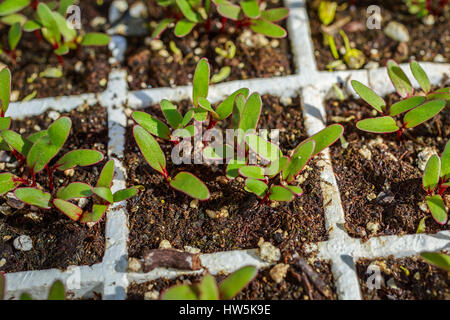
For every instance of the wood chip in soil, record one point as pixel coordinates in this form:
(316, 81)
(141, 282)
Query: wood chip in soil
(425, 44)
(403, 279)
(57, 241)
(378, 175)
(163, 214)
(153, 64)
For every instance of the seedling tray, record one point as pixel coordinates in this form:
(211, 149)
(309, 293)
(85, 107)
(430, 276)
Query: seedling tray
(110, 277)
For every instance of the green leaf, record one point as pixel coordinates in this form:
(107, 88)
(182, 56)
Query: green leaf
(369, 96)
(223, 73)
(64, 5)
(327, 11)
(295, 190)
(378, 125)
(225, 108)
(96, 215)
(12, 6)
(250, 115)
(421, 228)
(14, 18)
(181, 292)
(190, 185)
(201, 81)
(66, 29)
(405, 105)
(106, 176)
(423, 113)
(152, 125)
(327, 137)
(253, 172)
(276, 167)
(186, 132)
(31, 26)
(399, 79)
(69, 209)
(57, 291)
(34, 197)
(268, 28)
(233, 168)
(279, 193)
(445, 162)
(200, 114)
(6, 183)
(105, 194)
(437, 208)
(83, 158)
(17, 142)
(431, 174)
(52, 73)
(257, 187)
(205, 104)
(187, 118)
(5, 89)
(75, 190)
(47, 147)
(183, 27)
(171, 113)
(263, 148)
(237, 281)
(229, 11)
(439, 95)
(420, 76)
(251, 8)
(299, 159)
(14, 35)
(150, 149)
(218, 153)
(275, 14)
(161, 27)
(125, 194)
(5, 123)
(95, 39)
(48, 21)
(187, 11)
(440, 260)
(208, 288)
(25, 297)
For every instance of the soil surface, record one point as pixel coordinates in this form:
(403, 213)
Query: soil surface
(426, 41)
(154, 64)
(379, 176)
(404, 279)
(263, 287)
(85, 70)
(57, 241)
(163, 214)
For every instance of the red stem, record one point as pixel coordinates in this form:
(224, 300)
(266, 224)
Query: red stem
(34, 4)
(37, 34)
(223, 21)
(50, 177)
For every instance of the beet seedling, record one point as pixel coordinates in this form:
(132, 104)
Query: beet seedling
(37, 151)
(187, 14)
(440, 260)
(421, 8)
(436, 181)
(276, 181)
(208, 289)
(47, 23)
(418, 107)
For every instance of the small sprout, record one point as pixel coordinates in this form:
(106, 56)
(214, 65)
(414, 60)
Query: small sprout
(37, 153)
(440, 260)
(247, 13)
(436, 180)
(418, 108)
(223, 73)
(51, 73)
(208, 289)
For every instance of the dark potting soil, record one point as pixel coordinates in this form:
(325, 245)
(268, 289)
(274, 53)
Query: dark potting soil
(57, 241)
(85, 70)
(263, 287)
(426, 41)
(256, 56)
(378, 175)
(404, 279)
(161, 213)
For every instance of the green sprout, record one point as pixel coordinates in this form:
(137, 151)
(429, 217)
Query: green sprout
(208, 289)
(57, 290)
(276, 181)
(436, 180)
(47, 22)
(418, 107)
(248, 13)
(327, 11)
(36, 153)
(353, 58)
(440, 260)
(421, 8)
